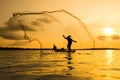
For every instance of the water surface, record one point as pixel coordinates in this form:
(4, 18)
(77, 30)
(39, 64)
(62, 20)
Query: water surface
(50, 65)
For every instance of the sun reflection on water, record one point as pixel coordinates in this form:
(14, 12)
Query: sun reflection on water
(109, 56)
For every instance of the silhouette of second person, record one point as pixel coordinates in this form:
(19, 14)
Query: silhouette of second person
(70, 40)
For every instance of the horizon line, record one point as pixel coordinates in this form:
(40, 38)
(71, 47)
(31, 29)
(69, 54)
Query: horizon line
(19, 48)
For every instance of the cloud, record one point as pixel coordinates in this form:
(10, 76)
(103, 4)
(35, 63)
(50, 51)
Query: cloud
(12, 24)
(45, 20)
(12, 30)
(16, 27)
(18, 43)
(15, 24)
(13, 35)
(102, 37)
(38, 23)
(115, 37)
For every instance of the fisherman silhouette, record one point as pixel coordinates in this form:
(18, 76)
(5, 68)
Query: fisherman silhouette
(54, 47)
(70, 40)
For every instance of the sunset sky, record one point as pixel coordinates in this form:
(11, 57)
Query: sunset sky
(100, 16)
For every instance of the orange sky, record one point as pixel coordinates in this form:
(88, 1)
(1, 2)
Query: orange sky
(96, 14)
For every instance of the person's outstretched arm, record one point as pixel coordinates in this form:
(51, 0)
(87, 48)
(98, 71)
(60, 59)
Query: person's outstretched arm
(74, 41)
(64, 36)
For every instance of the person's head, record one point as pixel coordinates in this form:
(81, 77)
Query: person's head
(69, 36)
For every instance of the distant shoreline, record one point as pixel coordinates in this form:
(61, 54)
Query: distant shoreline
(12, 48)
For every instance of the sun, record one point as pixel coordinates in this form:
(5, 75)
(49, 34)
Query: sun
(108, 30)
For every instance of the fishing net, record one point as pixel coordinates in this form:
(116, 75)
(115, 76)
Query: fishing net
(48, 28)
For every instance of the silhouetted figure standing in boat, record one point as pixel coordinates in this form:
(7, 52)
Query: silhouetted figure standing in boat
(69, 39)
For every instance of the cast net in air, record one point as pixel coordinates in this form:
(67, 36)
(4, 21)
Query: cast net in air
(48, 27)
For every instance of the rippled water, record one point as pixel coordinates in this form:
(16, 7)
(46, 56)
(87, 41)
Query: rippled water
(34, 65)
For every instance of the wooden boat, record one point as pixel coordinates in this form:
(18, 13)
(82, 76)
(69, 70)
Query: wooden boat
(61, 50)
